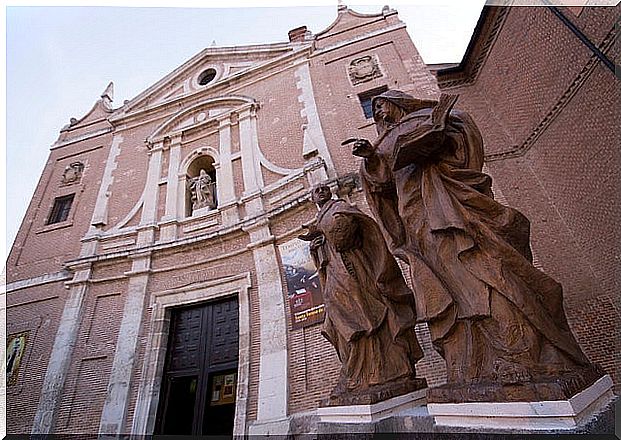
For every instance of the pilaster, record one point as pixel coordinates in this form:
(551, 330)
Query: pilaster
(249, 144)
(149, 207)
(273, 363)
(62, 351)
(168, 231)
(115, 406)
(226, 184)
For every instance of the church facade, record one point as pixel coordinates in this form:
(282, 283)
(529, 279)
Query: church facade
(157, 284)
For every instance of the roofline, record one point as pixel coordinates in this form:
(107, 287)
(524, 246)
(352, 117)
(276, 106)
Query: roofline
(486, 31)
(384, 12)
(478, 29)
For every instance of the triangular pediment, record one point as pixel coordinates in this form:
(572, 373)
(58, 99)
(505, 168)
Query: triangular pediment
(208, 69)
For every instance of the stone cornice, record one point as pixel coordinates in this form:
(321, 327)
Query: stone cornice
(38, 281)
(80, 138)
(358, 38)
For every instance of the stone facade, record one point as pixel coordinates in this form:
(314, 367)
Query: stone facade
(94, 291)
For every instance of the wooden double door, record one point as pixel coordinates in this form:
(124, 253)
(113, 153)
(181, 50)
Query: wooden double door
(200, 374)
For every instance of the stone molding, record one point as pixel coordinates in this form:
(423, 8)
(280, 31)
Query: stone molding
(122, 116)
(236, 103)
(81, 138)
(358, 38)
(62, 275)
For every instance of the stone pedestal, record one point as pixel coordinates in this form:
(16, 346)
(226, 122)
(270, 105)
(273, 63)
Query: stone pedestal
(544, 415)
(366, 414)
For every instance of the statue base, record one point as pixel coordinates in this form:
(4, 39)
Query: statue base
(375, 393)
(546, 387)
(369, 413)
(539, 415)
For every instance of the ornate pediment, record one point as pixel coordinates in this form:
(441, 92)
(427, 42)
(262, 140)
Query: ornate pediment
(200, 114)
(350, 24)
(211, 68)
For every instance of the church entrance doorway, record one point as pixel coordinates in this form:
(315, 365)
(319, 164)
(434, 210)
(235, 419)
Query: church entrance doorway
(200, 374)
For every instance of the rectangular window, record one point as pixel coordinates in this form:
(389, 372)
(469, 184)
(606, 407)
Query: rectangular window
(60, 210)
(365, 100)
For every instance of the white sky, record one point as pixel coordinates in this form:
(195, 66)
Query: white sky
(60, 59)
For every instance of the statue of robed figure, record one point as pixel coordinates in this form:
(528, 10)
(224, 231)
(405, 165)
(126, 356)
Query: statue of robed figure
(496, 319)
(370, 311)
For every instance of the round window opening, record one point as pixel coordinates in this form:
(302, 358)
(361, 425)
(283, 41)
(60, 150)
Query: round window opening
(207, 76)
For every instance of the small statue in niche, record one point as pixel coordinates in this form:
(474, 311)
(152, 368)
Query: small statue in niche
(497, 320)
(202, 190)
(72, 173)
(370, 311)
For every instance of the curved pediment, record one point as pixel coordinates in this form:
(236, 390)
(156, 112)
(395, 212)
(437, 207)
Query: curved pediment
(349, 24)
(199, 114)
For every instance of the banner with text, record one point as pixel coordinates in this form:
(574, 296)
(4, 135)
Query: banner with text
(303, 287)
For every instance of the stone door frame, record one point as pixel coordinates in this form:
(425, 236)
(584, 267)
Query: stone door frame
(157, 341)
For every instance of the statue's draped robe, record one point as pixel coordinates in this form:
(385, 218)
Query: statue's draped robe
(490, 311)
(202, 192)
(370, 311)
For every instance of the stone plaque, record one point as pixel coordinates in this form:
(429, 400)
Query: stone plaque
(364, 69)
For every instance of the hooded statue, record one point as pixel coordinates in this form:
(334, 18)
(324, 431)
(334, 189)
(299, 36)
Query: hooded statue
(496, 319)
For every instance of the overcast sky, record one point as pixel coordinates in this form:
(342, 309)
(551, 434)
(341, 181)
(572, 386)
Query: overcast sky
(60, 59)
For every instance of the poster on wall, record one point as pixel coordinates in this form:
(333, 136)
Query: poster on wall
(15, 347)
(303, 288)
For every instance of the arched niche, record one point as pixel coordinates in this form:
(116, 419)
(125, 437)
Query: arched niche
(201, 185)
(204, 158)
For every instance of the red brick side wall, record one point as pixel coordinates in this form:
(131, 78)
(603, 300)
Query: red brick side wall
(41, 248)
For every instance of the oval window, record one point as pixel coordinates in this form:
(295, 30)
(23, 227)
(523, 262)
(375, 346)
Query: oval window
(207, 76)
